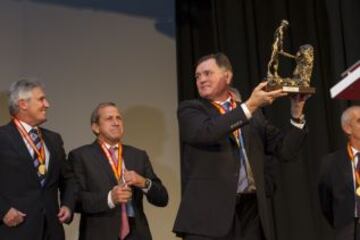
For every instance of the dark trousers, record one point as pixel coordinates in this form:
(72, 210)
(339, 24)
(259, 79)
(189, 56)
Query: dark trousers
(45, 232)
(349, 232)
(246, 224)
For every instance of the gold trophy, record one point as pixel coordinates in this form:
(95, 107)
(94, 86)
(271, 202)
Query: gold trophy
(304, 58)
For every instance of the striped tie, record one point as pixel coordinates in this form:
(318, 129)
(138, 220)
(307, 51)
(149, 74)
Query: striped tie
(37, 142)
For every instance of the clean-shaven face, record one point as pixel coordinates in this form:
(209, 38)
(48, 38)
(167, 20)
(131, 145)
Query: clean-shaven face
(212, 81)
(110, 125)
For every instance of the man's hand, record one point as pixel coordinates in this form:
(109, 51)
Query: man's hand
(297, 105)
(121, 194)
(64, 214)
(132, 178)
(13, 217)
(260, 98)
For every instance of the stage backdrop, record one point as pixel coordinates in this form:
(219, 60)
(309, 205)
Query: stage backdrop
(244, 30)
(88, 52)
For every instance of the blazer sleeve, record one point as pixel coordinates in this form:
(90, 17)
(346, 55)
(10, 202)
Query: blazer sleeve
(197, 126)
(87, 201)
(285, 144)
(4, 207)
(157, 194)
(67, 183)
(325, 189)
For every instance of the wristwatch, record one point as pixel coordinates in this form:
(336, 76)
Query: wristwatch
(147, 183)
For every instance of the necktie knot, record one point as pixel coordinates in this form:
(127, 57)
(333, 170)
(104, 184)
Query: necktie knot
(113, 149)
(113, 152)
(227, 106)
(34, 133)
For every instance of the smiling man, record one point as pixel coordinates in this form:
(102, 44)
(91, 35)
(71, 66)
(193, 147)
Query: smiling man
(225, 146)
(32, 170)
(114, 178)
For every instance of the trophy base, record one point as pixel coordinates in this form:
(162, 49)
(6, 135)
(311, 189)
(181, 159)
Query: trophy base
(292, 89)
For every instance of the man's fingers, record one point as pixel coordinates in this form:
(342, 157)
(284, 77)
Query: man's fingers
(21, 213)
(261, 85)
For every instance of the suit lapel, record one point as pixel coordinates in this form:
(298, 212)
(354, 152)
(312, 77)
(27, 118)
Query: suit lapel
(52, 153)
(213, 111)
(103, 162)
(346, 165)
(129, 164)
(21, 149)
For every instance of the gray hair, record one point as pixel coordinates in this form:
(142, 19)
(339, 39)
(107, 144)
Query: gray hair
(236, 93)
(21, 90)
(347, 115)
(95, 114)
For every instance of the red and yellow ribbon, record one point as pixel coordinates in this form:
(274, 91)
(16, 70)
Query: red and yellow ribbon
(222, 111)
(116, 167)
(40, 154)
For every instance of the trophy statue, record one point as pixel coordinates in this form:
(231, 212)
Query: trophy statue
(304, 58)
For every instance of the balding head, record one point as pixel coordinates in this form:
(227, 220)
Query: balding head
(350, 123)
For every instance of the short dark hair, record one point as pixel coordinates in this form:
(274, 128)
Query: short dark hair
(95, 114)
(220, 58)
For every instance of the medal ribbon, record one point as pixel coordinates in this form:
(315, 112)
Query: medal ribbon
(352, 158)
(41, 154)
(222, 111)
(116, 167)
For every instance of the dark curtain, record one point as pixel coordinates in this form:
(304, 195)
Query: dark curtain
(243, 30)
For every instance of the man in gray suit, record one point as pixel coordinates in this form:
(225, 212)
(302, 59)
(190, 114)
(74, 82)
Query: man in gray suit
(113, 179)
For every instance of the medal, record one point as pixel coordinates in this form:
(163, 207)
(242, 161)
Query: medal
(42, 170)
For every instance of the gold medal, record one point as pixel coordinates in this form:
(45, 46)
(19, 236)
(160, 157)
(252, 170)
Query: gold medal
(358, 191)
(42, 169)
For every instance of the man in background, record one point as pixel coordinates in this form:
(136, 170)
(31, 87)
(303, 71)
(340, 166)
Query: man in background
(339, 185)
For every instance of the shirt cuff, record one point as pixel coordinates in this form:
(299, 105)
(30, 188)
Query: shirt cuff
(298, 125)
(110, 201)
(246, 111)
(146, 190)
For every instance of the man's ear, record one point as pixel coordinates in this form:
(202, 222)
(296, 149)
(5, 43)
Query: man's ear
(95, 128)
(228, 76)
(347, 129)
(23, 104)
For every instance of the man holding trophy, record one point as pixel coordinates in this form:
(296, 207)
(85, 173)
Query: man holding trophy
(225, 144)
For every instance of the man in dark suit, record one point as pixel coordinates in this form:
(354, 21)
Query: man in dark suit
(339, 190)
(224, 148)
(32, 170)
(114, 178)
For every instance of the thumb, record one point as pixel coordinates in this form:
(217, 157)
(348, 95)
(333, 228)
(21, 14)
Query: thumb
(21, 213)
(261, 85)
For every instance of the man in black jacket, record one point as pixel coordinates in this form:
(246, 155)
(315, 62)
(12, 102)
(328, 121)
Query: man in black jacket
(113, 179)
(225, 144)
(340, 179)
(32, 170)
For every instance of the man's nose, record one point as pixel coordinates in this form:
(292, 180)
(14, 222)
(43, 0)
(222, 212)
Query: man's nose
(46, 103)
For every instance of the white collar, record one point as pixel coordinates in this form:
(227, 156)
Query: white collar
(222, 102)
(27, 126)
